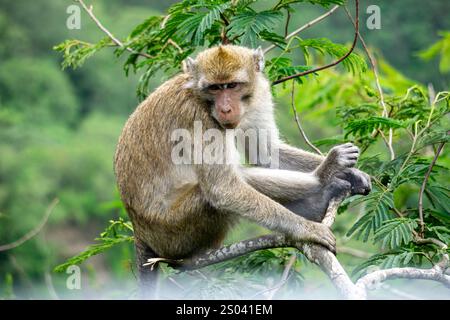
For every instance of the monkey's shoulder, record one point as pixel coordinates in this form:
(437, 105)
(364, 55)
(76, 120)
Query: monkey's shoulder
(173, 92)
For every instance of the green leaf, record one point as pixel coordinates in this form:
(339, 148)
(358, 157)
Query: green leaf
(378, 205)
(361, 127)
(440, 48)
(75, 52)
(212, 16)
(248, 25)
(353, 62)
(114, 234)
(395, 232)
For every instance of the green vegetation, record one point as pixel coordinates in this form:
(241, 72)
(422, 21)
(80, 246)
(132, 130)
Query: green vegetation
(58, 130)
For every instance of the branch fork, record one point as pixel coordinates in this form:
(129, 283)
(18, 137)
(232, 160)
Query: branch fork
(318, 255)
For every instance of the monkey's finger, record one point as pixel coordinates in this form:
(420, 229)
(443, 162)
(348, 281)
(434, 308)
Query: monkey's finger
(353, 149)
(328, 240)
(347, 145)
(330, 247)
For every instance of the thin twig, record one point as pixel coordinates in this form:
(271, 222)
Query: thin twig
(304, 73)
(422, 188)
(286, 27)
(373, 63)
(435, 241)
(354, 252)
(304, 27)
(300, 128)
(50, 286)
(284, 277)
(33, 232)
(108, 33)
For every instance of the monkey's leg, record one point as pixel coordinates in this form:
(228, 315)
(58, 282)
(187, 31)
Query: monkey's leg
(291, 158)
(281, 185)
(146, 276)
(315, 206)
(299, 192)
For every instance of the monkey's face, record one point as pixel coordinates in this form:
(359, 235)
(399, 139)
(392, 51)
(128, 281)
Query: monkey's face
(224, 77)
(227, 102)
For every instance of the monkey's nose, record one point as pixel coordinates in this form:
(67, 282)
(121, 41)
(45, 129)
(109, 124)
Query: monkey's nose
(225, 110)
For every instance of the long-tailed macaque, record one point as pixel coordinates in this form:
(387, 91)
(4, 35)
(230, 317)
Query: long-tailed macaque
(179, 210)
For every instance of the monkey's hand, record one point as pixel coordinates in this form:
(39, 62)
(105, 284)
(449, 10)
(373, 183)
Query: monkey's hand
(318, 233)
(338, 159)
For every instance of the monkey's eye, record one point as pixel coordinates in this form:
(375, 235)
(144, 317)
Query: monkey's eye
(231, 85)
(214, 87)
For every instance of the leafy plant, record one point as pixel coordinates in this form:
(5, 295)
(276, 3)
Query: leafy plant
(409, 119)
(118, 231)
(161, 43)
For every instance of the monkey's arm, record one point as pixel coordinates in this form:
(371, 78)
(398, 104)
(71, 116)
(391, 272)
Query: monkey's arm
(291, 158)
(281, 185)
(299, 192)
(225, 190)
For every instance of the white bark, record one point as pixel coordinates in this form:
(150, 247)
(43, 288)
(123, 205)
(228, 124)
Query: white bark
(319, 255)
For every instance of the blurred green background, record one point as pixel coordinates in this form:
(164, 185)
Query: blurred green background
(58, 129)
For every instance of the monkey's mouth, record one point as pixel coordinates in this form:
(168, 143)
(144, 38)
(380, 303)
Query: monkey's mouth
(230, 125)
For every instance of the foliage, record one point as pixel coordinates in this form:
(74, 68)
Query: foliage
(442, 49)
(58, 131)
(192, 24)
(393, 224)
(116, 233)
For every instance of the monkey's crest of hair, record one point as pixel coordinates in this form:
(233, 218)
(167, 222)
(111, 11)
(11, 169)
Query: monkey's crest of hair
(221, 63)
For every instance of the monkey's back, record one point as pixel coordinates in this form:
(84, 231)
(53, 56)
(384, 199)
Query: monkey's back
(164, 200)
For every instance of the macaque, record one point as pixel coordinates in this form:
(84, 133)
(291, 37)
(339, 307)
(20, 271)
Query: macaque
(182, 209)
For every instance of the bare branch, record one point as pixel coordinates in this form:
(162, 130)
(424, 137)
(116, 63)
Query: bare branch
(319, 255)
(437, 242)
(117, 42)
(371, 280)
(33, 232)
(284, 277)
(304, 27)
(300, 128)
(373, 63)
(304, 73)
(354, 252)
(424, 184)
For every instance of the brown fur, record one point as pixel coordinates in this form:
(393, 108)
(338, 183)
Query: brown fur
(186, 225)
(180, 210)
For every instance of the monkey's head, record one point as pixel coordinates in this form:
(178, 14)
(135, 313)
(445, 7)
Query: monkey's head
(224, 76)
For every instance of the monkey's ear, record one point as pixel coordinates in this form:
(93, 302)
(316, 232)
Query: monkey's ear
(189, 65)
(258, 56)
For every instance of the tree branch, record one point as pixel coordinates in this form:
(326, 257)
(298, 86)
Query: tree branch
(304, 27)
(284, 277)
(317, 254)
(370, 281)
(424, 184)
(33, 232)
(299, 126)
(304, 73)
(373, 63)
(116, 41)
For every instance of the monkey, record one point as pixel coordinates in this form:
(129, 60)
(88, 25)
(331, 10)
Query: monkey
(179, 210)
